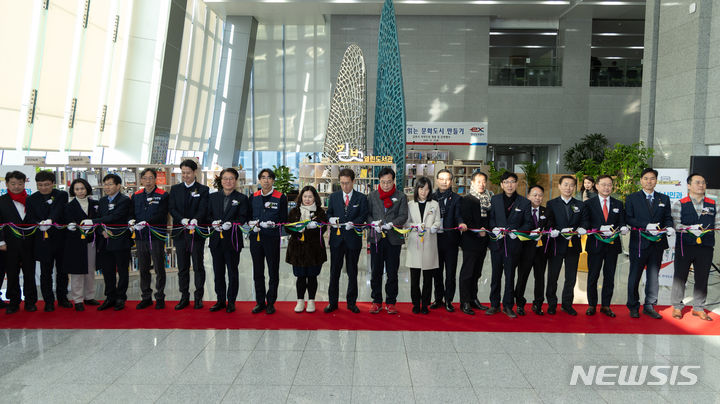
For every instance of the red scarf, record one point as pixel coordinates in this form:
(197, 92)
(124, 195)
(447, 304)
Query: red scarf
(19, 197)
(385, 196)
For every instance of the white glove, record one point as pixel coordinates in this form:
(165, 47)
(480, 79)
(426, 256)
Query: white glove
(581, 231)
(421, 226)
(311, 225)
(387, 226)
(512, 234)
(140, 225)
(191, 225)
(433, 229)
(334, 221)
(624, 230)
(72, 226)
(264, 225)
(537, 231)
(270, 223)
(653, 228)
(216, 224)
(670, 231)
(497, 230)
(554, 233)
(376, 225)
(86, 224)
(606, 230)
(45, 225)
(349, 225)
(566, 230)
(227, 226)
(440, 230)
(131, 223)
(185, 222)
(256, 229)
(252, 223)
(695, 230)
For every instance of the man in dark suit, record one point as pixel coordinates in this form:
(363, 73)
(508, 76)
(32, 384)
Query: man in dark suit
(475, 213)
(509, 212)
(268, 206)
(569, 215)
(114, 244)
(448, 241)
(606, 215)
(188, 206)
(18, 250)
(533, 257)
(349, 208)
(651, 211)
(387, 207)
(150, 208)
(46, 207)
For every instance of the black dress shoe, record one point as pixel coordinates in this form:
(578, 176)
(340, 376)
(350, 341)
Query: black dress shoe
(607, 311)
(30, 307)
(91, 302)
(425, 310)
(65, 303)
(552, 309)
(521, 311)
(467, 309)
(436, 304)
(652, 313)
(159, 304)
(537, 309)
(183, 303)
(119, 305)
(198, 304)
(590, 311)
(270, 309)
(106, 305)
(144, 304)
(11, 309)
(230, 308)
(634, 313)
(509, 312)
(49, 307)
(79, 307)
(569, 310)
(258, 308)
(330, 308)
(416, 310)
(477, 305)
(449, 307)
(217, 307)
(353, 308)
(492, 310)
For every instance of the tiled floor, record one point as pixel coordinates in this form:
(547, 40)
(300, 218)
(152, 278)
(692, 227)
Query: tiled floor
(257, 366)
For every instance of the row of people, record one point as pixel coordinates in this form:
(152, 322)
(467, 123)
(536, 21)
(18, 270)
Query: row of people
(522, 236)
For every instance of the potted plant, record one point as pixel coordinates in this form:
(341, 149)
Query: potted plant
(284, 182)
(532, 176)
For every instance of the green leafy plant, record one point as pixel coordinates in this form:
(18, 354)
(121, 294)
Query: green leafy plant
(284, 179)
(495, 175)
(626, 162)
(591, 147)
(532, 176)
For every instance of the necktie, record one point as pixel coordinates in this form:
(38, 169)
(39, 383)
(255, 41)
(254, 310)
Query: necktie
(567, 211)
(535, 218)
(347, 200)
(650, 202)
(605, 209)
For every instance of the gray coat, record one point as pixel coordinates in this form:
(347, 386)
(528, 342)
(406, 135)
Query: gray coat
(397, 214)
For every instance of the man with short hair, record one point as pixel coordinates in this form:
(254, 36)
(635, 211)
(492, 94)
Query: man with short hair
(569, 215)
(693, 215)
(45, 208)
(346, 208)
(650, 211)
(533, 256)
(475, 212)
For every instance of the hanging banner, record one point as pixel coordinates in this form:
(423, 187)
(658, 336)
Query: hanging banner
(446, 133)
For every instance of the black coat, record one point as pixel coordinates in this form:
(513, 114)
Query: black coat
(183, 205)
(75, 257)
(41, 207)
(519, 219)
(558, 220)
(118, 213)
(616, 218)
(475, 218)
(9, 214)
(356, 212)
(638, 215)
(311, 251)
(236, 212)
(542, 224)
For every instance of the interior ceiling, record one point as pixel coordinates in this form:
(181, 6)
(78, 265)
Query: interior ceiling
(313, 11)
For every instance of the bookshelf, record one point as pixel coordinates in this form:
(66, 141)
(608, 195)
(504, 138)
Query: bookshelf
(462, 173)
(324, 176)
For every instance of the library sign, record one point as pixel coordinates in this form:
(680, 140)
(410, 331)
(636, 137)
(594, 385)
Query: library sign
(347, 154)
(446, 133)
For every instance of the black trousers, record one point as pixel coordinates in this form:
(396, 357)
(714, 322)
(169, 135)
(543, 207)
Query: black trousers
(226, 259)
(19, 257)
(701, 259)
(448, 259)
(533, 259)
(384, 256)
(112, 263)
(605, 262)
(309, 283)
(503, 265)
(556, 263)
(417, 297)
(61, 278)
(351, 257)
(2, 271)
(649, 259)
(151, 252)
(266, 251)
(187, 251)
(470, 273)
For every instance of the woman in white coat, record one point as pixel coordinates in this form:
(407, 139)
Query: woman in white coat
(422, 253)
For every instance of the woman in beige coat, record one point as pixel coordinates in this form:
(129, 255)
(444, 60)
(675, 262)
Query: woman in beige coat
(422, 253)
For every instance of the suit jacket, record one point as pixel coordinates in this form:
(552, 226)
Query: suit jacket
(638, 215)
(472, 215)
(9, 214)
(198, 205)
(519, 219)
(41, 207)
(542, 224)
(75, 258)
(558, 220)
(236, 212)
(397, 214)
(423, 254)
(117, 212)
(356, 212)
(452, 218)
(616, 218)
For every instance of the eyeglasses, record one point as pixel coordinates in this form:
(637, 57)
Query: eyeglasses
(509, 182)
(386, 182)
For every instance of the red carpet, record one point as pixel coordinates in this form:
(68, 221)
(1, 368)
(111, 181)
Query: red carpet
(342, 319)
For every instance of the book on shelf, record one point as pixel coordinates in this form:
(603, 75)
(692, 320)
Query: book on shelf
(161, 178)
